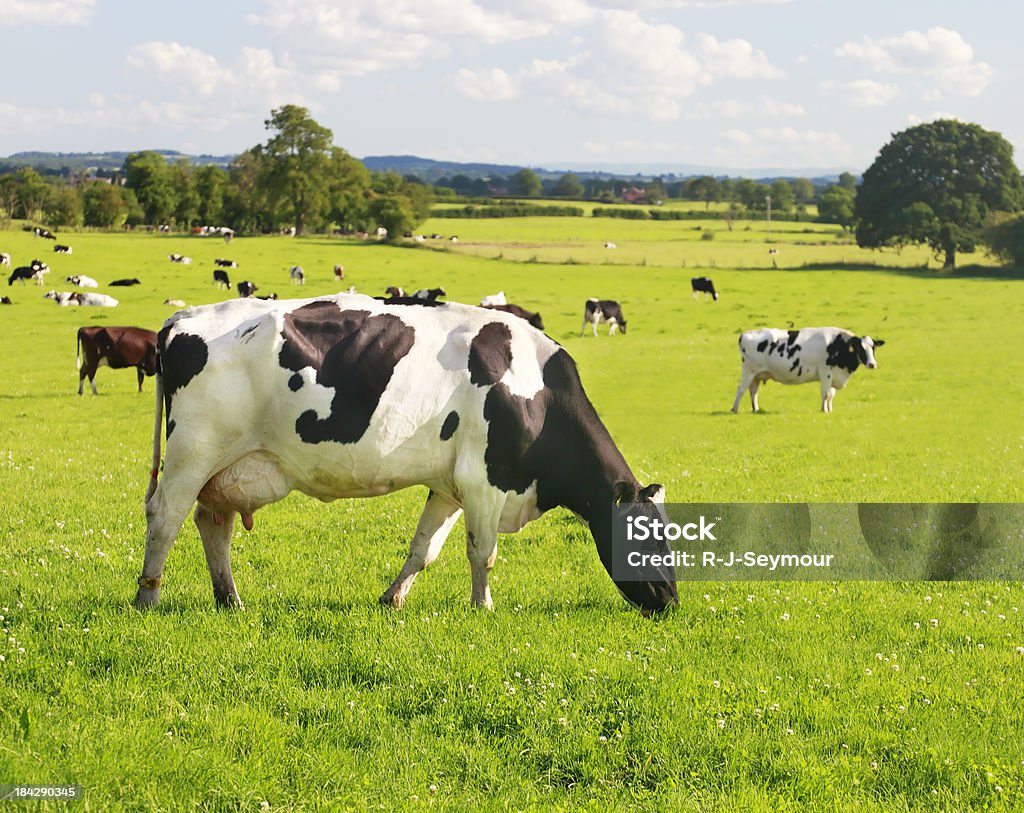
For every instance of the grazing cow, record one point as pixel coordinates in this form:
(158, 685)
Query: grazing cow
(46, 234)
(603, 310)
(431, 294)
(59, 249)
(610, 245)
(5, 259)
(118, 348)
(395, 291)
(339, 272)
(82, 281)
(179, 258)
(175, 303)
(246, 288)
(221, 278)
(225, 263)
(125, 282)
(494, 299)
(346, 396)
(533, 318)
(703, 285)
(296, 276)
(34, 271)
(829, 355)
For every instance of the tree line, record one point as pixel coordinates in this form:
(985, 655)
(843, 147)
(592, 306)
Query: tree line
(296, 179)
(950, 185)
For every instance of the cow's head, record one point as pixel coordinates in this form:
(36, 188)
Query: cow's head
(660, 592)
(865, 348)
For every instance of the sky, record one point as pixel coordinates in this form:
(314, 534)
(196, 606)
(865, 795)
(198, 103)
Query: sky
(787, 84)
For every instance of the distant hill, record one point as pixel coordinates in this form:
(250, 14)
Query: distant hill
(79, 161)
(430, 170)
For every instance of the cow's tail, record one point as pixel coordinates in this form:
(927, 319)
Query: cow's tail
(78, 351)
(157, 432)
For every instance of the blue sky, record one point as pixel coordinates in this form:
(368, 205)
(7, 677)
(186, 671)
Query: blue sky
(546, 83)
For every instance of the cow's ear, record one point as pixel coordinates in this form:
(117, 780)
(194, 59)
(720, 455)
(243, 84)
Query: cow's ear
(625, 491)
(853, 344)
(655, 492)
(879, 342)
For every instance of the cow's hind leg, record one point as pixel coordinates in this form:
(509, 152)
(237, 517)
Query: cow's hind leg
(482, 517)
(142, 375)
(215, 531)
(435, 523)
(746, 380)
(166, 510)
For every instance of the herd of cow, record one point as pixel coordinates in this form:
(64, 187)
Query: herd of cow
(355, 396)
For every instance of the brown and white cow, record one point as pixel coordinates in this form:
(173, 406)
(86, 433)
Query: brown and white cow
(349, 396)
(117, 348)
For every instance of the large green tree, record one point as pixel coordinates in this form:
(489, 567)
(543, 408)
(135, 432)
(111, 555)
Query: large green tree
(525, 182)
(836, 205)
(935, 184)
(297, 158)
(149, 177)
(103, 205)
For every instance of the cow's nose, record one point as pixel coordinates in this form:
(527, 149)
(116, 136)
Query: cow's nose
(872, 366)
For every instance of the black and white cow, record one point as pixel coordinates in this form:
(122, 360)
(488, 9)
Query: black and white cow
(703, 285)
(221, 278)
(82, 281)
(829, 355)
(82, 298)
(603, 310)
(246, 288)
(221, 263)
(6, 300)
(493, 299)
(46, 234)
(347, 396)
(33, 271)
(395, 291)
(59, 249)
(431, 294)
(296, 275)
(5, 259)
(179, 258)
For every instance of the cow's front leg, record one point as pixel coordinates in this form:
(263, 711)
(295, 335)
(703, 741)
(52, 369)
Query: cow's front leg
(435, 523)
(754, 386)
(827, 391)
(215, 530)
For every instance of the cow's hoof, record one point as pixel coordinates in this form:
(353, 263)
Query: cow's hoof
(230, 602)
(392, 600)
(146, 598)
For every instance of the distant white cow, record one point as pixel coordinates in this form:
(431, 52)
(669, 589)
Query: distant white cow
(493, 299)
(829, 355)
(179, 258)
(82, 281)
(296, 275)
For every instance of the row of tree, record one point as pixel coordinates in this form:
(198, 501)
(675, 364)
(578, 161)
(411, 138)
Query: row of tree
(297, 179)
(949, 185)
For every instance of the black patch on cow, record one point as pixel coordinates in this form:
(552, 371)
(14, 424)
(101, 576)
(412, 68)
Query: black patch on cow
(490, 354)
(796, 363)
(181, 360)
(295, 383)
(842, 353)
(354, 353)
(170, 427)
(792, 336)
(762, 345)
(451, 423)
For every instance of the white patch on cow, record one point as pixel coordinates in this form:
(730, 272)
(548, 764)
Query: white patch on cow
(519, 509)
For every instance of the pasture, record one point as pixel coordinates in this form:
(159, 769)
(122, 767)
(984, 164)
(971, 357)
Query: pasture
(754, 696)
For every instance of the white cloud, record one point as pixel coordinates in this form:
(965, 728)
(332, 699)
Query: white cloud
(45, 12)
(782, 146)
(493, 85)
(862, 92)
(180, 64)
(764, 107)
(939, 54)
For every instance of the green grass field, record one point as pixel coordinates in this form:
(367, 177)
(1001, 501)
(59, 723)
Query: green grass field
(750, 696)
